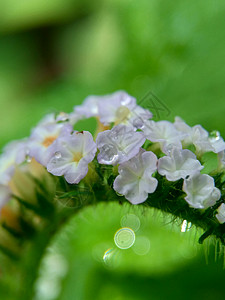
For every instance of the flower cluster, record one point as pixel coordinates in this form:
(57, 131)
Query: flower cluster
(138, 149)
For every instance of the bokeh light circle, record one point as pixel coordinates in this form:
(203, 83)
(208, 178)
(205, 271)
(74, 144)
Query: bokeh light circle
(124, 238)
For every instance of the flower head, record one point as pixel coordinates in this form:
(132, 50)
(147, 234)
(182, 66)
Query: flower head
(135, 179)
(118, 144)
(201, 191)
(179, 164)
(72, 154)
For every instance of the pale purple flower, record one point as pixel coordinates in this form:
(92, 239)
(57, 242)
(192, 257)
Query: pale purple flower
(165, 133)
(5, 194)
(221, 214)
(72, 154)
(13, 154)
(118, 144)
(42, 140)
(178, 164)
(135, 179)
(201, 191)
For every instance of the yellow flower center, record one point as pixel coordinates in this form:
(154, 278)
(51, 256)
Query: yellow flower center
(48, 141)
(122, 114)
(77, 157)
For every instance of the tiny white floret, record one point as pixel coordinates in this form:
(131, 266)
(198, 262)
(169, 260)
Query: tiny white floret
(118, 144)
(135, 179)
(201, 191)
(72, 154)
(165, 133)
(178, 164)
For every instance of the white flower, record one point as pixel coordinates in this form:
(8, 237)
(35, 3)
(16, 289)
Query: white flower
(135, 179)
(201, 191)
(42, 140)
(179, 164)
(221, 214)
(165, 133)
(118, 144)
(72, 154)
(13, 154)
(200, 137)
(5, 194)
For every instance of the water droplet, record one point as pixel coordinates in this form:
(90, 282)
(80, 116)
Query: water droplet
(214, 136)
(126, 101)
(58, 154)
(138, 123)
(124, 238)
(28, 158)
(130, 220)
(169, 148)
(62, 116)
(113, 135)
(64, 144)
(109, 152)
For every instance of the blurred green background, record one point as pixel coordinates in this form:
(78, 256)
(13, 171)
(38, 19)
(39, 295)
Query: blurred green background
(55, 53)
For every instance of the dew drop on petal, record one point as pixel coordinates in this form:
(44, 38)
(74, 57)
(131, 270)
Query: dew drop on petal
(214, 136)
(126, 101)
(58, 155)
(169, 148)
(62, 116)
(113, 135)
(28, 158)
(64, 144)
(138, 123)
(109, 153)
